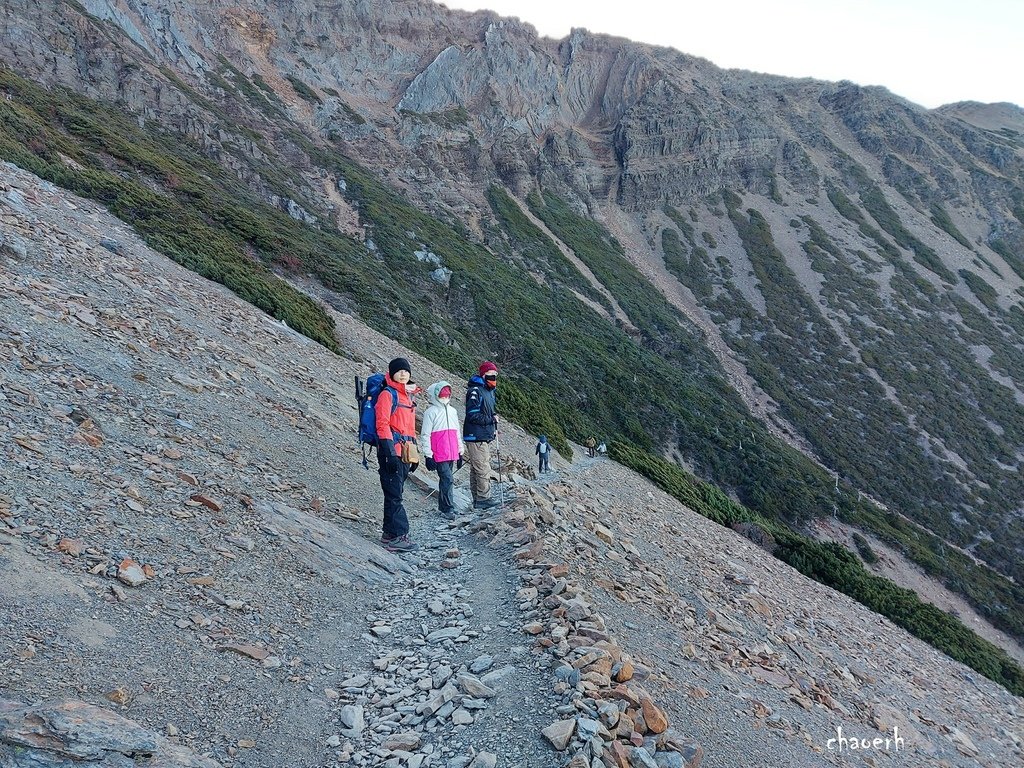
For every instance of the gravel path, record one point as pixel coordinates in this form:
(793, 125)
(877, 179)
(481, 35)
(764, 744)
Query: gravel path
(150, 419)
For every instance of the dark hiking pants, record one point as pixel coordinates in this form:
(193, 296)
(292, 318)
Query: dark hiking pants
(392, 482)
(446, 487)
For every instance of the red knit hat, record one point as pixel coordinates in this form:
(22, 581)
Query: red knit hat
(487, 366)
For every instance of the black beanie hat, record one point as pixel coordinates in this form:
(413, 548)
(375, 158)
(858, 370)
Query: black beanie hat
(398, 364)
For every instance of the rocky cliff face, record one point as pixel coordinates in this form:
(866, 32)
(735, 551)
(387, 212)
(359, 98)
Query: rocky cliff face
(666, 125)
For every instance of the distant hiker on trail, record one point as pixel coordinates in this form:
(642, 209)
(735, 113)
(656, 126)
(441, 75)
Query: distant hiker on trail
(441, 443)
(543, 451)
(590, 445)
(396, 454)
(602, 449)
(480, 430)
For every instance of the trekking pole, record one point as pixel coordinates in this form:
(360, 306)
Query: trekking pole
(501, 488)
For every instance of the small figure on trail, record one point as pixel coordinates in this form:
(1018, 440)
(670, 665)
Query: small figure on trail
(590, 444)
(602, 449)
(480, 430)
(543, 452)
(441, 443)
(396, 452)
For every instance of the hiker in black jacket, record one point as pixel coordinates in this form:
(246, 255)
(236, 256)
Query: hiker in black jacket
(543, 452)
(479, 431)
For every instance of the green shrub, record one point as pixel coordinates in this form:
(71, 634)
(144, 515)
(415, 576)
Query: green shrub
(303, 90)
(256, 92)
(867, 554)
(880, 210)
(830, 396)
(186, 222)
(691, 271)
(353, 116)
(536, 250)
(986, 293)
(1012, 258)
(260, 83)
(941, 219)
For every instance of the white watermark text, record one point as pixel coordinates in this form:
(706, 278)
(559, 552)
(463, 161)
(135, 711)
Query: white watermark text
(842, 743)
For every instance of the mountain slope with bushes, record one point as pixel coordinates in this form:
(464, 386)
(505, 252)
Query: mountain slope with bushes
(862, 258)
(191, 576)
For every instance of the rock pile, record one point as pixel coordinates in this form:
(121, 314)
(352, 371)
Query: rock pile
(436, 670)
(416, 699)
(606, 717)
(721, 616)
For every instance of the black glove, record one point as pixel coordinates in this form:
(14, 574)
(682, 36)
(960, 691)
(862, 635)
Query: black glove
(459, 463)
(386, 455)
(412, 467)
(431, 464)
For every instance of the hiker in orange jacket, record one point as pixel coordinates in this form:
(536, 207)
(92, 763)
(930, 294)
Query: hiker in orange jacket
(396, 424)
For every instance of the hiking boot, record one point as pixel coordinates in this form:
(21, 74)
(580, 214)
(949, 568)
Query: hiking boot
(485, 503)
(402, 544)
(385, 539)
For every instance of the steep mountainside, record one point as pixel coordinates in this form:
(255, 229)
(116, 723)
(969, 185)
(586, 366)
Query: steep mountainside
(188, 544)
(810, 293)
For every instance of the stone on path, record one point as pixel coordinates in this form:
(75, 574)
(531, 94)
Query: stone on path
(481, 664)
(474, 687)
(131, 573)
(72, 732)
(461, 717)
(440, 635)
(406, 741)
(653, 717)
(352, 719)
(560, 733)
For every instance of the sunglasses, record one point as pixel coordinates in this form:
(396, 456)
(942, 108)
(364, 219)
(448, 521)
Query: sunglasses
(491, 376)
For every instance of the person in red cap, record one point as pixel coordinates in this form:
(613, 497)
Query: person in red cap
(441, 443)
(479, 431)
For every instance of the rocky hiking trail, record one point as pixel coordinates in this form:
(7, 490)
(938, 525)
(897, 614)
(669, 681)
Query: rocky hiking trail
(189, 538)
(190, 573)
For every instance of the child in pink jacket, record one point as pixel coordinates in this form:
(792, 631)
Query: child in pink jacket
(441, 442)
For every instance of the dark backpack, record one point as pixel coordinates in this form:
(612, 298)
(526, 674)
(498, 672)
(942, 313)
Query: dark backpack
(366, 401)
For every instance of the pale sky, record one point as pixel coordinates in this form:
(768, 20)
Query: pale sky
(931, 52)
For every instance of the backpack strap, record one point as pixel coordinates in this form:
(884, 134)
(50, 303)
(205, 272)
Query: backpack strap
(394, 398)
(394, 406)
